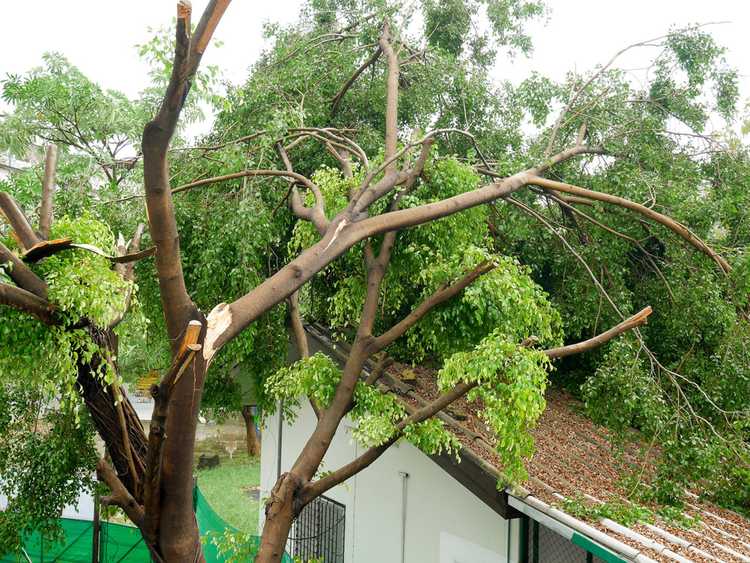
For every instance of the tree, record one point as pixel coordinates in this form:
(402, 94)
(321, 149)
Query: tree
(361, 214)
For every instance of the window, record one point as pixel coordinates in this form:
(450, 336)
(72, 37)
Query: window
(318, 531)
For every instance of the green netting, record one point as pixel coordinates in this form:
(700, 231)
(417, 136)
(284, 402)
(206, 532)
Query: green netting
(210, 523)
(119, 543)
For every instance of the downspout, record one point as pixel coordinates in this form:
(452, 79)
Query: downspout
(280, 440)
(508, 536)
(404, 490)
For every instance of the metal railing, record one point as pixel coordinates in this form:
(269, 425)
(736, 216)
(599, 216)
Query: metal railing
(318, 532)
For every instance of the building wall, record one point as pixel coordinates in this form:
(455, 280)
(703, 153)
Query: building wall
(445, 523)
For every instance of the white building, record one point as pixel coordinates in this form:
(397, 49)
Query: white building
(404, 508)
(408, 507)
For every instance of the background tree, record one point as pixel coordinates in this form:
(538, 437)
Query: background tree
(385, 186)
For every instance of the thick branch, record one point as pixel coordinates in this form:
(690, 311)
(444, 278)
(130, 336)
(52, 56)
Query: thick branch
(567, 154)
(674, 226)
(18, 221)
(48, 191)
(27, 302)
(300, 336)
(21, 274)
(391, 103)
(339, 238)
(161, 393)
(319, 487)
(630, 323)
(440, 296)
(176, 303)
(342, 234)
(117, 398)
(342, 157)
(315, 214)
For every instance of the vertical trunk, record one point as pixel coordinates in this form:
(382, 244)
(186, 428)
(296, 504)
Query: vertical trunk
(280, 513)
(178, 536)
(178, 539)
(251, 435)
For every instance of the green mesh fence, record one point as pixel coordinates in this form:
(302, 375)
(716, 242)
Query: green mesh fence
(118, 543)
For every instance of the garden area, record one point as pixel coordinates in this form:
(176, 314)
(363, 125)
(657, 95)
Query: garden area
(233, 489)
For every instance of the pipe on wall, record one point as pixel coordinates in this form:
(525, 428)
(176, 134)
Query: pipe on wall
(404, 491)
(278, 446)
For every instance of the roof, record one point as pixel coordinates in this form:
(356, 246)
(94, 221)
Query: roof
(574, 458)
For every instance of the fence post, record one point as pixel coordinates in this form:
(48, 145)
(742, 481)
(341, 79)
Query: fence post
(96, 529)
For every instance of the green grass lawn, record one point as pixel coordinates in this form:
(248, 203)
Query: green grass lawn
(227, 489)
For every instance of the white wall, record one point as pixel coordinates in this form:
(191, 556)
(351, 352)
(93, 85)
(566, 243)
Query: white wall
(445, 523)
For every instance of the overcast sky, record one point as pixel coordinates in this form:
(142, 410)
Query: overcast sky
(99, 36)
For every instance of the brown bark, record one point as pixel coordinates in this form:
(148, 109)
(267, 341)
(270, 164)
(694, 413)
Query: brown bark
(158, 465)
(16, 219)
(280, 513)
(100, 402)
(27, 302)
(177, 532)
(120, 496)
(21, 274)
(48, 191)
(391, 103)
(251, 436)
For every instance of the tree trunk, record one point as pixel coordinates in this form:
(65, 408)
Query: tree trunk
(281, 511)
(178, 539)
(178, 536)
(251, 436)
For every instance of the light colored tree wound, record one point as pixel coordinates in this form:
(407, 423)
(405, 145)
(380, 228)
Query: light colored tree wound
(217, 322)
(336, 234)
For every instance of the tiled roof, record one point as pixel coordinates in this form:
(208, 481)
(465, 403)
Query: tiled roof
(574, 459)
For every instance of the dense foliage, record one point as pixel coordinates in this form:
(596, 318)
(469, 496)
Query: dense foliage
(682, 379)
(46, 441)
(563, 270)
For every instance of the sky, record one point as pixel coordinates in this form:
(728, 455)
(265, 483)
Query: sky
(99, 36)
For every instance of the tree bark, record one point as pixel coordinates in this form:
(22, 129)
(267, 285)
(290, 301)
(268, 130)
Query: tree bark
(251, 436)
(104, 413)
(48, 191)
(280, 513)
(178, 536)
